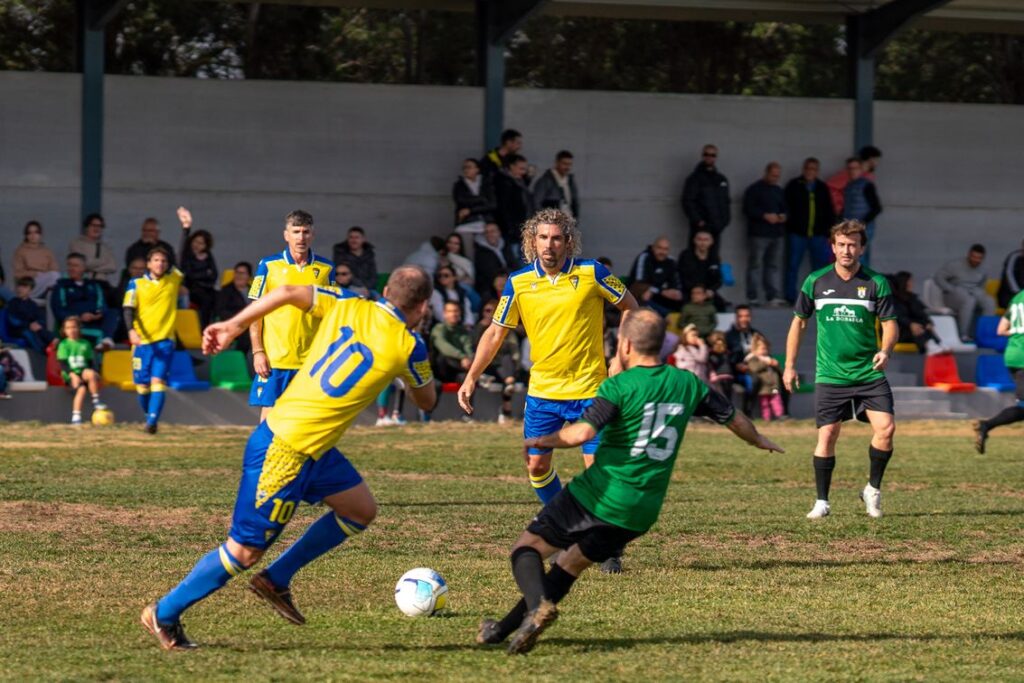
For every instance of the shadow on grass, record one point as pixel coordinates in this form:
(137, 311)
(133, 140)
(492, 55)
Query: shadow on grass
(811, 564)
(963, 513)
(459, 503)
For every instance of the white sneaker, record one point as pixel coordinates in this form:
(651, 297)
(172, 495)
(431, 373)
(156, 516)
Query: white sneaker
(872, 498)
(384, 422)
(821, 509)
(503, 419)
(76, 418)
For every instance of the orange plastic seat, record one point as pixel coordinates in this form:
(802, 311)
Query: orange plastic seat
(940, 372)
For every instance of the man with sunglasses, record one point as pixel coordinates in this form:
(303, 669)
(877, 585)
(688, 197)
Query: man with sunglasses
(706, 198)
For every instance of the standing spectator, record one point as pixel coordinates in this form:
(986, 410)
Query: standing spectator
(455, 251)
(199, 267)
(692, 353)
(962, 282)
(869, 157)
(699, 266)
(706, 198)
(235, 297)
(740, 338)
(860, 202)
(429, 256)
(1011, 280)
(100, 264)
(720, 371)
(765, 369)
(504, 371)
(359, 256)
(75, 295)
(809, 220)
(764, 205)
(34, 259)
(451, 344)
(515, 203)
(447, 289)
(699, 312)
(26, 320)
(912, 316)
(493, 255)
(78, 368)
(657, 269)
(498, 158)
(556, 189)
(150, 238)
(473, 195)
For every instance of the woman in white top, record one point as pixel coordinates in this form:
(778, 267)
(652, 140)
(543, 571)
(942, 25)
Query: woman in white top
(465, 271)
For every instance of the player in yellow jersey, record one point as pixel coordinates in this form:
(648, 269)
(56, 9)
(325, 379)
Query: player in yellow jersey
(360, 347)
(150, 310)
(559, 298)
(280, 343)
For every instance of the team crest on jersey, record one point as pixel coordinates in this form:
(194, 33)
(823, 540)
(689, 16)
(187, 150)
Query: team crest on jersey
(574, 280)
(533, 285)
(316, 272)
(862, 292)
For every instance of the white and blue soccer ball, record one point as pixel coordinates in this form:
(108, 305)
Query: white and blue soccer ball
(421, 592)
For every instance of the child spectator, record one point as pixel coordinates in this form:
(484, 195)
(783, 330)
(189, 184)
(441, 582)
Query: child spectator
(33, 259)
(692, 353)
(26, 320)
(10, 371)
(765, 370)
(199, 267)
(699, 311)
(721, 374)
(451, 345)
(502, 373)
(77, 364)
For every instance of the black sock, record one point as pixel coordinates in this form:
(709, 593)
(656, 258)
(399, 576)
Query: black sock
(823, 475)
(1006, 416)
(528, 570)
(557, 583)
(879, 459)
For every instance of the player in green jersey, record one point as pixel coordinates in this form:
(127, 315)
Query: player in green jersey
(847, 300)
(1012, 326)
(643, 412)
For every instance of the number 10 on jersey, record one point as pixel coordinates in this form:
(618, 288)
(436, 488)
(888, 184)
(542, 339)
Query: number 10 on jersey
(336, 356)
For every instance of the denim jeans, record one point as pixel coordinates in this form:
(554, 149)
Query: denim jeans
(798, 246)
(763, 266)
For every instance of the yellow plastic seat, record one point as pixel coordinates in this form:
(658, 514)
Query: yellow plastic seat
(186, 326)
(117, 370)
(905, 347)
(227, 277)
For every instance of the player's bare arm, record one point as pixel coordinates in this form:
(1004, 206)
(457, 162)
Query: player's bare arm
(218, 335)
(1003, 330)
(796, 333)
(260, 363)
(570, 436)
(424, 397)
(890, 333)
(627, 302)
(491, 340)
(741, 426)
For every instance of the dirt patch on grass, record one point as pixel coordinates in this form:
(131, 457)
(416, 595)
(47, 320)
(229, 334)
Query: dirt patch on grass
(36, 517)
(442, 476)
(1011, 555)
(990, 490)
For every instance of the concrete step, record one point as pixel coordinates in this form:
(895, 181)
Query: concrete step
(902, 379)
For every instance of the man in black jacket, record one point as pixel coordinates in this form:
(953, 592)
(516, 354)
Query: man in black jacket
(655, 268)
(515, 202)
(706, 198)
(809, 220)
(150, 238)
(556, 188)
(356, 253)
(698, 266)
(764, 205)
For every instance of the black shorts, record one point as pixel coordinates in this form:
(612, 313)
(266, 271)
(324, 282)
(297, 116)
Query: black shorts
(1018, 379)
(564, 522)
(838, 403)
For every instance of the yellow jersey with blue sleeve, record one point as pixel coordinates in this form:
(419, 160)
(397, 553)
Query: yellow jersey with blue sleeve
(359, 348)
(564, 320)
(156, 304)
(288, 332)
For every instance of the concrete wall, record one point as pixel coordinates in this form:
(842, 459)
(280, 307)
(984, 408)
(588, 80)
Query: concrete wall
(242, 154)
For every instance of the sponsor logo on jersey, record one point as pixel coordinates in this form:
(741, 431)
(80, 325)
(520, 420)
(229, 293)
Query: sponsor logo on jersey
(828, 291)
(844, 314)
(575, 281)
(862, 292)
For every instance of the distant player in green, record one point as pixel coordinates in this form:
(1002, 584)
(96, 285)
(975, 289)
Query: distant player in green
(847, 300)
(78, 368)
(1012, 326)
(643, 412)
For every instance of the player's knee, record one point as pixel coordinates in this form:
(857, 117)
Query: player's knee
(365, 513)
(538, 467)
(246, 555)
(886, 432)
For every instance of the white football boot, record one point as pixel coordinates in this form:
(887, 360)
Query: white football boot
(821, 509)
(872, 498)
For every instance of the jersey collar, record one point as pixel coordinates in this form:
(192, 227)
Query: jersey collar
(566, 267)
(287, 254)
(391, 308)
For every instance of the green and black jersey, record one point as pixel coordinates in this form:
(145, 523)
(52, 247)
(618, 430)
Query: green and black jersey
(1014, 354)
(846, 313)
(642, 415)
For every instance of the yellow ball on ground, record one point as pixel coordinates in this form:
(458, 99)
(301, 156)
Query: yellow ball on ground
(102, 418)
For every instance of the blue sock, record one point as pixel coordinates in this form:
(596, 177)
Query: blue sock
(328, 532)
(210, 574)
(156, 406)
(144, 400)
(546, 485)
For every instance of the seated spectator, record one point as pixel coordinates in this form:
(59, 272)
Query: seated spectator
(100, 264)
(150, 238)
(451, 345)
(692, 353)
(199, 267)
(429, 255)
(657, 269)
(343, 278)
(556, 188)
(455, 251)
(809, 221)
(1011, 280)
(491, 257)
(720, 372)
(510, 143)
(739, 338)
(504, 371)
(699, 312)
(75, 295)
(5, 293)
(26, 320)
(359, 255)
(447, 289)
(33, 259)
(78, 368)
(473, 195)
(698, 265)
(765, 369)
(10, 371)
(912, 316)
(962, 282)
(514, 200)
(235, 297)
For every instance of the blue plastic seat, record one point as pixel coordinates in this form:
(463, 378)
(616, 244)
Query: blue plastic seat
(183, 375)
(985, 333)
(991, 373)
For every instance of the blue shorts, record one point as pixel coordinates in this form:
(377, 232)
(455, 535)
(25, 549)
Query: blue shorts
(265, 392)
(152, 361)
(275, 479)
(544, 416)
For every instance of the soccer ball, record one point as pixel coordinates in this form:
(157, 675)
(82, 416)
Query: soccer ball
(421, 592)
(102, 418)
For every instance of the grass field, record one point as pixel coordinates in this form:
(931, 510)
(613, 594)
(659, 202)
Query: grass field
(732, 584)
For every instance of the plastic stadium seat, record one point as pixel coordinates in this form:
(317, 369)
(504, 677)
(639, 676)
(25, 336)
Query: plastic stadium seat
(992, 288)
(117, 370)
(186, 326)
(183, 376)
(806, 387)
(992, 374)
(985, 333)
(30, 383)
(905, 347)
(940, 372)
(931, 295)
(450, 388)
(229, 371)
(227, 277)
(54, 378)
(724, 321)
(947, 331)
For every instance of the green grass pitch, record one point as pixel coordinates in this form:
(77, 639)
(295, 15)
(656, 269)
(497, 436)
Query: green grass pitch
(732, 584)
